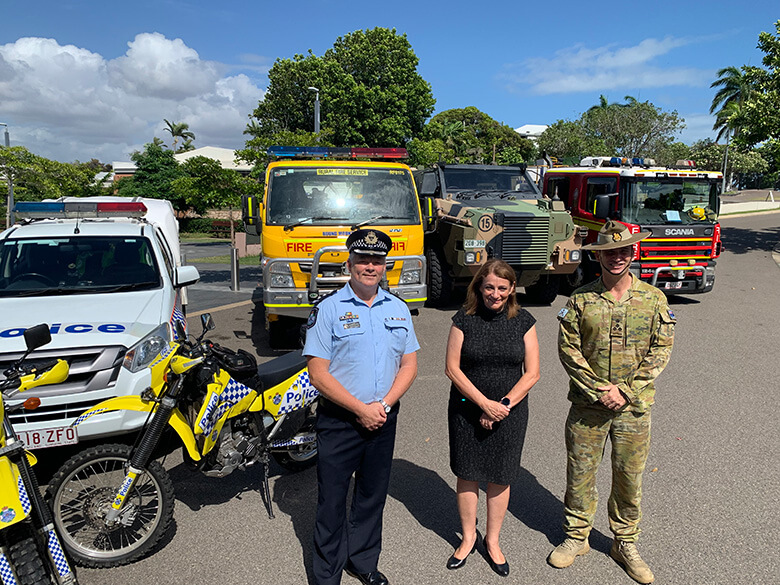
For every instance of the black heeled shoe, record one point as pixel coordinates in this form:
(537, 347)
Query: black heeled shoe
(502, 569)
(455, 563)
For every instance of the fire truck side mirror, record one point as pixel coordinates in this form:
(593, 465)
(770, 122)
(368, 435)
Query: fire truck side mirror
(602, 206)
(250, 214)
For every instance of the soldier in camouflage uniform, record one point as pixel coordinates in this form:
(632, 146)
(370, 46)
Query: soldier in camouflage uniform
(616, 337)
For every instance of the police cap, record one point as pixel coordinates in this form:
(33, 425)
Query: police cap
(369, 242)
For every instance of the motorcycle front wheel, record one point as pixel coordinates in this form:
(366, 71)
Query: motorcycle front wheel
(81, 493)
(26, 560)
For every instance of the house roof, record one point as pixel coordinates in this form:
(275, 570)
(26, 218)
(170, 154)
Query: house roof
(225, 156)
(531, 130)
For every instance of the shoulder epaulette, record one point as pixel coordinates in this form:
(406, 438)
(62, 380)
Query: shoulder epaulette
(322, 298)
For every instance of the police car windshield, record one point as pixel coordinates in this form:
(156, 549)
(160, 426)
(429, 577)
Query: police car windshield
(326, 196)
(76, 265)
(681, 201)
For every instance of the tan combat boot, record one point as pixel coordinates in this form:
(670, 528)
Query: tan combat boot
(627, 555)
(564, 554)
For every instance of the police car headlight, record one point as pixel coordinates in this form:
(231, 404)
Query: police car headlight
(411, 273)
(143, 353)
(280, 275)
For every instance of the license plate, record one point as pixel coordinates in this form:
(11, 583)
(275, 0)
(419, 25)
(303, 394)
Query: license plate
(43, 438)
(676, 284)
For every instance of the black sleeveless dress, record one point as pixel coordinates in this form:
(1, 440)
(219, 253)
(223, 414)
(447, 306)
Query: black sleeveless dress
(492, 358)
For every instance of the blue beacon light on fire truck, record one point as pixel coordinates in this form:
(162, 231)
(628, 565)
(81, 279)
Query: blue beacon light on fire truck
(334, 152)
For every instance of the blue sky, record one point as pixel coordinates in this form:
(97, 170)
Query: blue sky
(88, 79)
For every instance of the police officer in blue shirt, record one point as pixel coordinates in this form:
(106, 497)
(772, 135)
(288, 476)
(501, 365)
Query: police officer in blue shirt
(361, 350)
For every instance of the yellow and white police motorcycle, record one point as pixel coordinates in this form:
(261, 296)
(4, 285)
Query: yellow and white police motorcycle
(30, 550)
(113, 503)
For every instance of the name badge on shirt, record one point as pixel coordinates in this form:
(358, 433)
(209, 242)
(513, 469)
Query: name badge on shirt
(352, 325)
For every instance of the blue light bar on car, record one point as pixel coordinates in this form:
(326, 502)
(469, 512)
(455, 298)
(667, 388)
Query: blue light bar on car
(78, 209)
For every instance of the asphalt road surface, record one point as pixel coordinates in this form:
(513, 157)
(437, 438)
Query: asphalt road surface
(711, 486)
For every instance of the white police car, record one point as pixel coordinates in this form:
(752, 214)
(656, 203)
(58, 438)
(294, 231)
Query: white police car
(105, 274)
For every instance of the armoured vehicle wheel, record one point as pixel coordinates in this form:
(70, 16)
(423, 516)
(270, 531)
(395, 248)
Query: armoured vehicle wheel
(439, 279)
(544, 291)
(573, 281)
(81, 493)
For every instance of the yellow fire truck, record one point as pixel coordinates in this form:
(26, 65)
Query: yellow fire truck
(314, 198)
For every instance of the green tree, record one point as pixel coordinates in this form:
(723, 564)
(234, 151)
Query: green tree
(671, 153)
(471, 136)
(570, 139)
(744, 167)
(156, 170)
(205, 185)
(761, 110)
(35, 177)
(733, 91)
(370, 92)
(180, 131)
(634, 128)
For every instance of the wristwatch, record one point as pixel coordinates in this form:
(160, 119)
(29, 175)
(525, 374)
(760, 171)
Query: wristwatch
(506, 402)
(385, 405)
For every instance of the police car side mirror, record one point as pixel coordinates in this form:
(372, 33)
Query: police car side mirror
(186, 275)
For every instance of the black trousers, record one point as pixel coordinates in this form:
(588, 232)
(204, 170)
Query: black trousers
(345, 447)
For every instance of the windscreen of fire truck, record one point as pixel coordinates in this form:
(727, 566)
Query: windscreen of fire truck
(664, 201)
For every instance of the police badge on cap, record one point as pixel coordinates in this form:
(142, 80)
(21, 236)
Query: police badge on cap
(369, 242)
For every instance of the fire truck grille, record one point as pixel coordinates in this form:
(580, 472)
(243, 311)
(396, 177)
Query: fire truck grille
(525, 240)
(676, 249)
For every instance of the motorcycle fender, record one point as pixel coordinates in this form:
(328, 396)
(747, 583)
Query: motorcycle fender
(15, 505)
(113, 404)
(135, 403)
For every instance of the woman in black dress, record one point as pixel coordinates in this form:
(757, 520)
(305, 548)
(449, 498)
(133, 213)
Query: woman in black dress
(493, 361)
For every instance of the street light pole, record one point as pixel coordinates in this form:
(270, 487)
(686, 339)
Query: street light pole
(316, 110)
(725, 161)
(9, 215)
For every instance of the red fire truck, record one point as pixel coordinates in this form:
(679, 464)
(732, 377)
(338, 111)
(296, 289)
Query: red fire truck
(679, 205)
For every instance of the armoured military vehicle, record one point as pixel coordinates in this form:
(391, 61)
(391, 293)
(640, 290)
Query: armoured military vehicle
(475, 212)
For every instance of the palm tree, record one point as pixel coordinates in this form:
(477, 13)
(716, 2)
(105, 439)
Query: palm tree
(179, 130)
(602, 105)
(727, 105)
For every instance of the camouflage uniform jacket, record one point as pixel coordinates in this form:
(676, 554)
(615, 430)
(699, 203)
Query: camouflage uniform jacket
(627, 343)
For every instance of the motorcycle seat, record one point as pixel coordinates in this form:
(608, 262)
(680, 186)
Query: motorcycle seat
(280, 369)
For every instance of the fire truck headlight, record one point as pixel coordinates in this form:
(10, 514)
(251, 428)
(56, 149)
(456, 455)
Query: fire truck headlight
(280, 275)
(411, 273)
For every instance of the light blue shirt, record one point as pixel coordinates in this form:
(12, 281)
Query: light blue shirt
(363, 344)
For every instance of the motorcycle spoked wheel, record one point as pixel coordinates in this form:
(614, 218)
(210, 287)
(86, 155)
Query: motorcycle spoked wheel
(80, 495)
(24, 556)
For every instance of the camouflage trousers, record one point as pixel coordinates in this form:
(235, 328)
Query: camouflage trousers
(587, 429)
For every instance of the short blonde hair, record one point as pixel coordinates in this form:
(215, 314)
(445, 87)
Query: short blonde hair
(502, 270)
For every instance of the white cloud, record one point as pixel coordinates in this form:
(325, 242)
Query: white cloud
(68, 103)
(581, 69)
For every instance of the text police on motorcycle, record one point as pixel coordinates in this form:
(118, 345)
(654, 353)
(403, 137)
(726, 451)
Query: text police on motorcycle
(361, 350)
